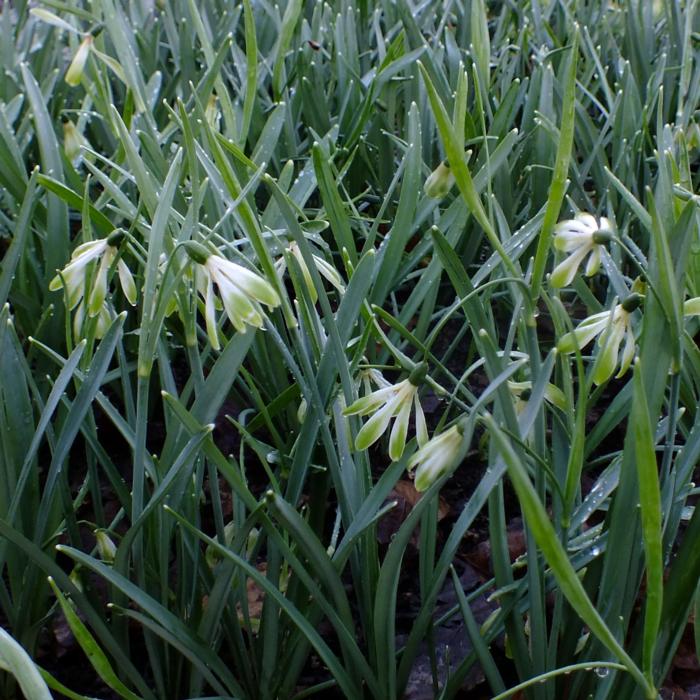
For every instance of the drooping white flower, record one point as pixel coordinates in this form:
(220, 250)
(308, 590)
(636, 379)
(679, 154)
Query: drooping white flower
(582, 236)
(521, 393)
(326, 270)
(611, 327)
(74, 73)
(241, 291)
(436, 457)
(74, 276)
(387, 402)
(440, 181)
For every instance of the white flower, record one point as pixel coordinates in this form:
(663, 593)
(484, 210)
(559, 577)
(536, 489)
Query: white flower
(73, 278)
(241, 291)
(391, 401)
(581, 236)
(325, 269)
(440, 181)
(611, 327)
(74, 73)
(521, 393)
(436, 457)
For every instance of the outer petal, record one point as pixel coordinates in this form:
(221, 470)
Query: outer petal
(397, 439)
(126, 280)
(593, 264)
(78, 320)
(249, 282)
(72, 274)
(371, 402)
(421, 427)
(104, 321)
(565, 271)
(584, 333)
(627, 352)
(555, 396)
(210, 314)
(77, 66)
(237, 305)
(609, 348)
(99, 285)
(438, 457)
(373, 429)
(567, 239)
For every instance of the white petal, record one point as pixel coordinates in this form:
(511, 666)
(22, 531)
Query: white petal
(584, 333)
(627, 353)
(210, 314)
(593, 264)
(238, 306)
(397, 439)
(421, 427)
(368, 404)
(75, 70)
(375, 427)
(607, 357)
(565, 271)
(126, 280)
(567, 240)
(99, 286)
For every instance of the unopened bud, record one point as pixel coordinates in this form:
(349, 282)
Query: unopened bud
(440, 181)
(74, 73)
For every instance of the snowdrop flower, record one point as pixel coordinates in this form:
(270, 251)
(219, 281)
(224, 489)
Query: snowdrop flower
(325, 269)
(611, 327)
(74, 276)
(581, 236)
(387, 402)
(436, 457)
(103, 321)
(521, 392)
(74, 73)
(241, 291)
(440, 181)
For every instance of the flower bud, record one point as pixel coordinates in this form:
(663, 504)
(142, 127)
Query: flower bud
(74, 73)
(105, 547)
(72, 142)
(197, 252)
(440, 181)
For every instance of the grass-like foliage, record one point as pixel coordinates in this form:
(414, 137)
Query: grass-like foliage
(260, 260)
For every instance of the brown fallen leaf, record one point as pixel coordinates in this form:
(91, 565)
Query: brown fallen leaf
(406, 497)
